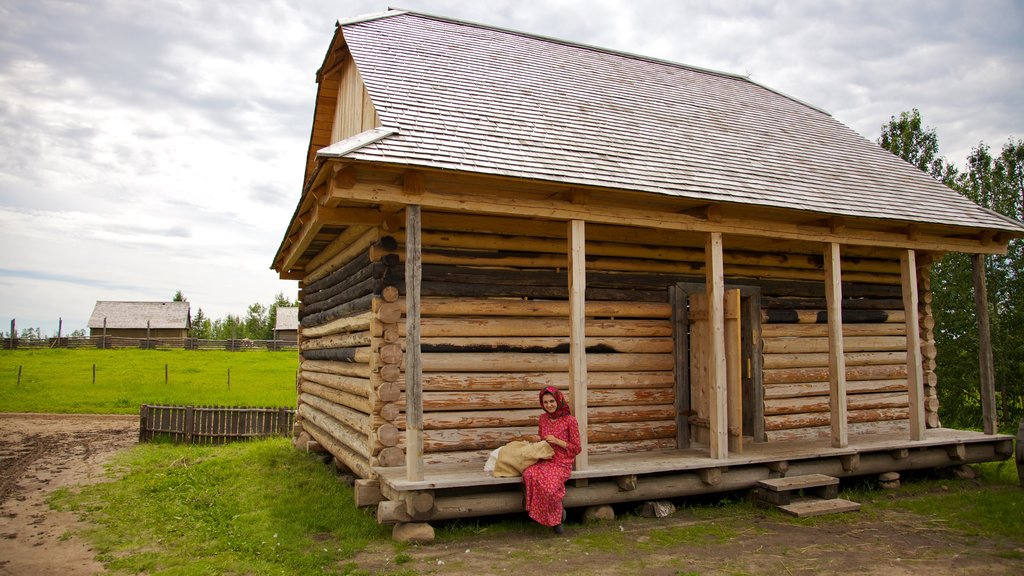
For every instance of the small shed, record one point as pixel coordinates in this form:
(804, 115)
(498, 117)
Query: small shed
(286, 324)
(729, 284)
(157, 320)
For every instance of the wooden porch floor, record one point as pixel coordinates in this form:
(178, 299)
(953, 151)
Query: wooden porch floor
(453, 476)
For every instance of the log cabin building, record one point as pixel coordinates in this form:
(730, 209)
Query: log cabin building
(729, 284)
(159, 320)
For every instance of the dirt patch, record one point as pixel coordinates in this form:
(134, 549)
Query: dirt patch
(867, 543)
(40, 453)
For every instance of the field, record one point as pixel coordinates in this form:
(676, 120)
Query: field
(119, 381)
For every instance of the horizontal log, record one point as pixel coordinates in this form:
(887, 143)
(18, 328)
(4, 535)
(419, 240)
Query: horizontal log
(821, 316)
(535, 381)
(354, 419)
(355, 462)
(593, 344)
(356, 323)
(542, 362)
(820, 345)
(491, 438)
(357, 290)
(806, 420)
(349, 340)
(353, 385)
(344, 310)
(357, 270)
(772, 361)
(390, 456)
(342, 368)
(347, 437)
(821, 330)
(528, 417)
(512, 327)
(791, 375)
(450, 289)
(784, 303)
(777, 406)
(475, 400)
(537, 308)
(480, 456)
(359, 355)
(337, 396)
(825, 432)
(822, 388)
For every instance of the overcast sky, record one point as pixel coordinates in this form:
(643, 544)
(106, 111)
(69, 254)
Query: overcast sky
(154, 146)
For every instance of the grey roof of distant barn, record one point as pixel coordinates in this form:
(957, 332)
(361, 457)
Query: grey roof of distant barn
(287, 318)
(136, 314)
(474, 98)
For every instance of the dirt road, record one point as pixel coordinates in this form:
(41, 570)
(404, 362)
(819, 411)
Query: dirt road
(40, 453)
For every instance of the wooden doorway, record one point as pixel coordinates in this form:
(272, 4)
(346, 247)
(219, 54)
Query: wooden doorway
(745, 399)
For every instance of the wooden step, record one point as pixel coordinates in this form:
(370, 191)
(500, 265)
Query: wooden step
(779, 491)
(798, 482)
(818, 507)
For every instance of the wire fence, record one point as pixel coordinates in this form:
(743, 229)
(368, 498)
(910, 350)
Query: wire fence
(112, 342)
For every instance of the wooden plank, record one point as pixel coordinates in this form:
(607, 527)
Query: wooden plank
(717, 364)
(577, 336)
(985, 362)
(836, 355)
(413, 359)
(734, 370)
(815, 507)
(801, 482)
(681, 372)
(915, 369)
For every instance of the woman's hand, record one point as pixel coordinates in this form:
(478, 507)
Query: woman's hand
(551, 439)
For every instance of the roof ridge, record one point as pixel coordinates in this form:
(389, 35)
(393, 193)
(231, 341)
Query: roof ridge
(392, 11)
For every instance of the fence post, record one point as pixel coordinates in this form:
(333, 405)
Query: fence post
(190, 413)
(143, 422)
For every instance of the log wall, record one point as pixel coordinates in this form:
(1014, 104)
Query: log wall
(495, 329)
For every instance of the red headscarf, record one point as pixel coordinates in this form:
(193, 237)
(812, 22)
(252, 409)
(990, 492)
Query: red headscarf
(562, 407)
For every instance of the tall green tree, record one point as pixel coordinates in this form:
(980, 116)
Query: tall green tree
(996, 183)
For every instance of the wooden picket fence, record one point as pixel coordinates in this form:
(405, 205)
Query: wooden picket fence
(212, 424)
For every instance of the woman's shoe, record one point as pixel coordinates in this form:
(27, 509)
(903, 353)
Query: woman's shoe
(563, 514)
(559, 529)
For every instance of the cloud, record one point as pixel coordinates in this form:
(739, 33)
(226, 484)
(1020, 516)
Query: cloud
(156, 146)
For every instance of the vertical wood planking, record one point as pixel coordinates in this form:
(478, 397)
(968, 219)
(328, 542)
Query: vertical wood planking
(681, 365)
(836, 357)
(985, 361)
(733, 371)
(718, 417)
(577, 336)
(915, 371)
(413, 366)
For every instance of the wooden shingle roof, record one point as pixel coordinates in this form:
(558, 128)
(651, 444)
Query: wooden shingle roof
(173, 315)
(473, 98)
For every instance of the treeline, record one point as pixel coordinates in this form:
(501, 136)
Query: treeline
(257, 323)
(994, 181)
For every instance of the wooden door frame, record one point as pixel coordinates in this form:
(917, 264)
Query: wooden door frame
(753, 384)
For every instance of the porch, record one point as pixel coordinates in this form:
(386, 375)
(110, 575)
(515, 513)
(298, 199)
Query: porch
(466, 490)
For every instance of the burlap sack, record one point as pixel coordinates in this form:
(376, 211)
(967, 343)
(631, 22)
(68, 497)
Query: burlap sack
(518, 455)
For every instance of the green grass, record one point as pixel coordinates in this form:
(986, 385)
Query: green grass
(61, 380)
(247, 508)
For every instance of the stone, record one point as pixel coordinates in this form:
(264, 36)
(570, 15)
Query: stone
(301, 440)
(598, 513)
(888, 476)
(657, 509)
(413, 532)
(964, 472)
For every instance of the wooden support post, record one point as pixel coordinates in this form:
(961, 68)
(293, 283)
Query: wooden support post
(836, 357)
(915, 371)
(413, 365)
(734, 369)
(717, 367)
(985, 362)
(577, 335)
(681, 365)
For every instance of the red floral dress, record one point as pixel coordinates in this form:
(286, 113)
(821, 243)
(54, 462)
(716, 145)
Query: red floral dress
(545, 480)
